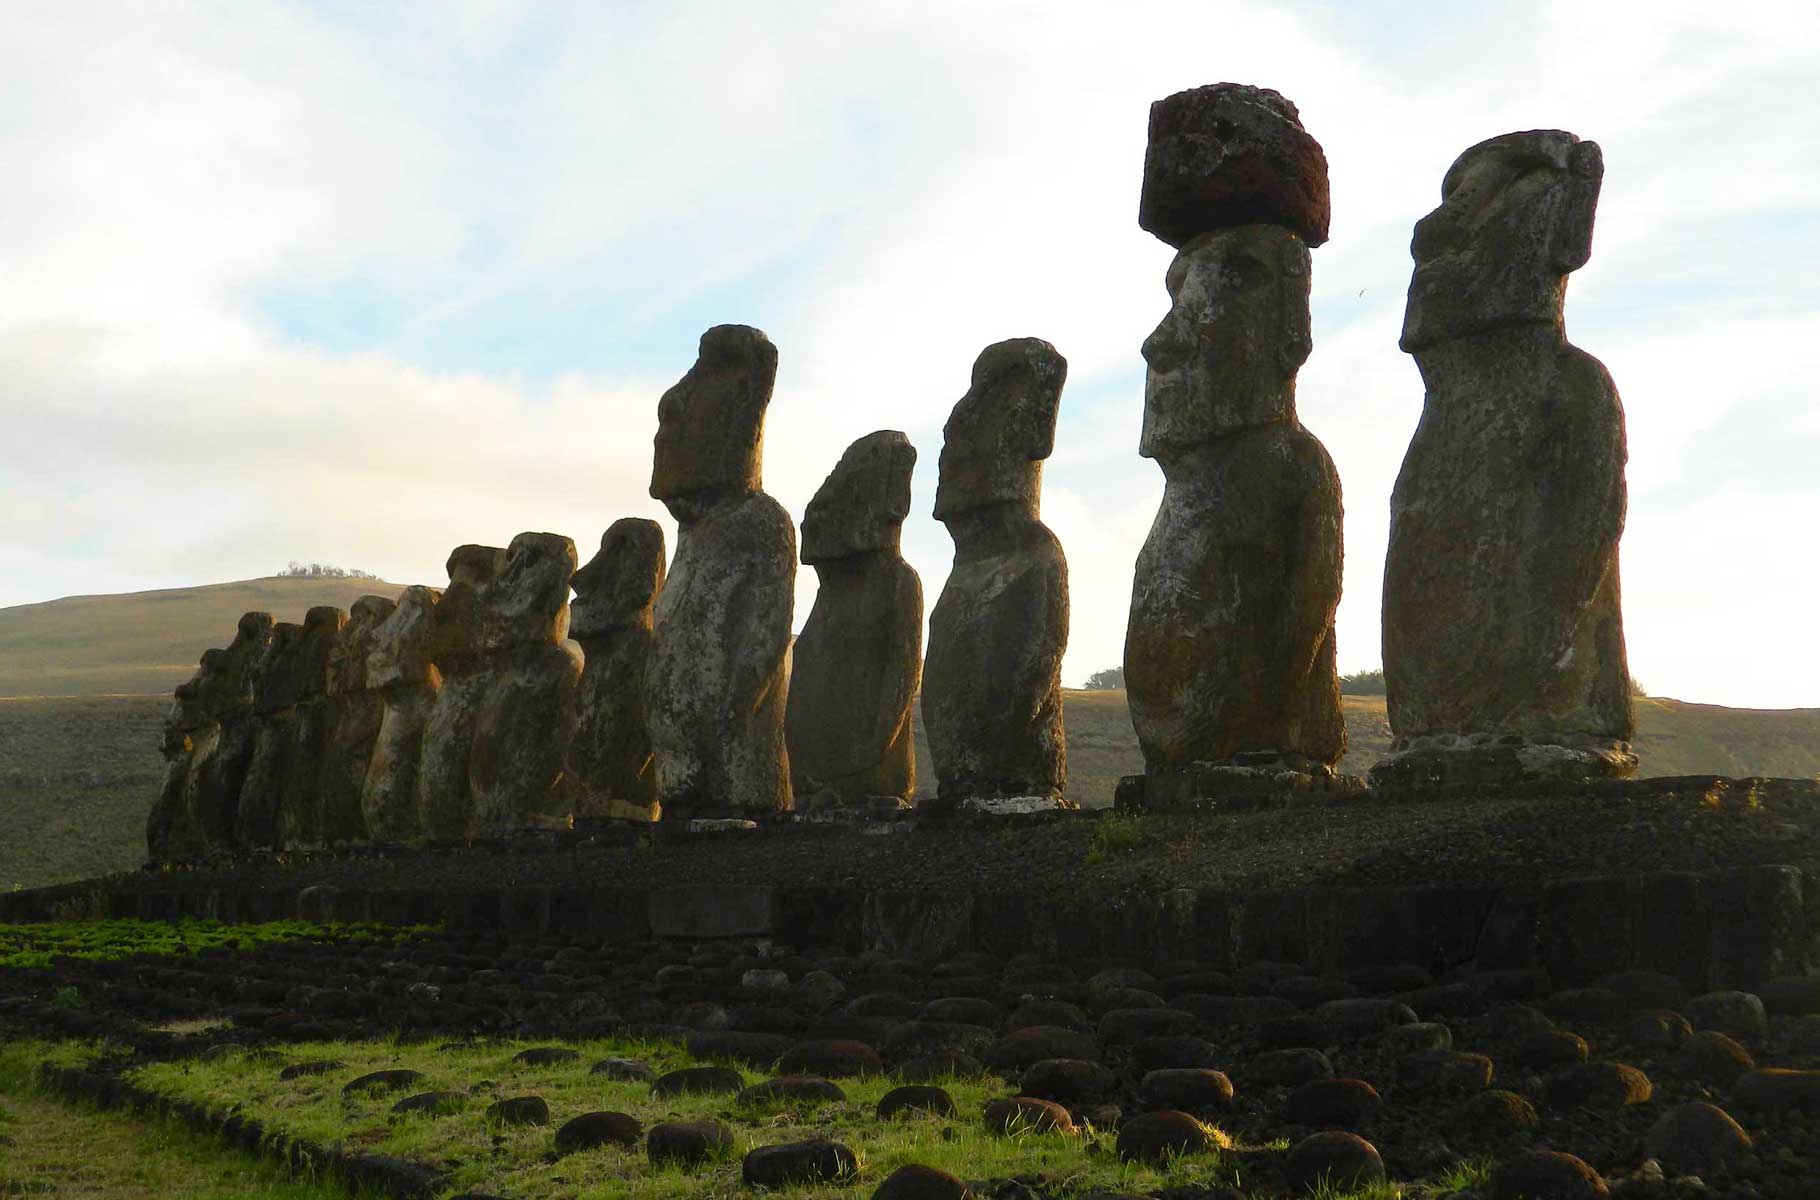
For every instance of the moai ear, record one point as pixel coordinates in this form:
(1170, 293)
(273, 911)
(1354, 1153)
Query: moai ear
(1571, 244)
(1297, 341)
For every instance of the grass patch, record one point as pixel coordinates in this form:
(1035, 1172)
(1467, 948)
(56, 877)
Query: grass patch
(520, 1162)
(39, 945)
(1113, 834)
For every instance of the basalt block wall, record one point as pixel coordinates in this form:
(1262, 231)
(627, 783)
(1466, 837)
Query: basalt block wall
(1724, 928)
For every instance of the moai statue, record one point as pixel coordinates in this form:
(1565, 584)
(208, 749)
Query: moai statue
(300, 812)
(400, 672)
(225, 750)
(525, 713)
(354, 714)
(445, 801)
(274, 680)
(171, 831)
(1503, 639)
(858, 661)
(610, 771)
(992, 688)
(716, 680)
(1229, 650)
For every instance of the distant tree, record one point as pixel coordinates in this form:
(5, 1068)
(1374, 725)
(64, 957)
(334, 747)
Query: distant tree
(1363, 683)
(1111, 679)
(1636, 689)
(316, 570)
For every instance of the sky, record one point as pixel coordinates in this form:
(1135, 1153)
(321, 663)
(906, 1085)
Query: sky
(357, 283)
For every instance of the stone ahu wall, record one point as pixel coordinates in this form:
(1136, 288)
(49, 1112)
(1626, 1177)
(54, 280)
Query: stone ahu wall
(447, 715)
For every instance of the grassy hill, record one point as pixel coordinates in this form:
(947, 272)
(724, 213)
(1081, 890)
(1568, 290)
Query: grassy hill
(85, 682)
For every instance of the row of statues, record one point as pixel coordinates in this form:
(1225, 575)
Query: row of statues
(449, 713)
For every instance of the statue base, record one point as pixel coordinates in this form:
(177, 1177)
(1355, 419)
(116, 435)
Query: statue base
(1449, 759)
(994, 804)
(1247, 780)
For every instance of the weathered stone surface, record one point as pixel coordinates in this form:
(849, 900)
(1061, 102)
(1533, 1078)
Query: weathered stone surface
(1229, 154)
(1546, 1173)
(1696, 1138)
(223, 750)
(716, 680)
(355, 713)
(1229, 650)
(1503, 637)
(172, 832)
(279, 803)
(457, 647)
(992, 680)
(857, 664)
(610, 770)
(1333, 1159)
(402, 673)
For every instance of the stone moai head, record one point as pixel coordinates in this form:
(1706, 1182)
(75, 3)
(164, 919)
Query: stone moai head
(1225, 357)
(1230, 154)
(401, 644)
(997, 437)
(472, 570)
(711, 424)
(1516, 217)
(322, 625)
(618, 587)
(862, 504)
(347, 666)
(528, 601)
(275, 674)
(232, 688)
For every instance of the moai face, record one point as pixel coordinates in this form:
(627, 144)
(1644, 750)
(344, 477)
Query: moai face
(1226, 356)
(711, 425)
(401, 644)
(1516, 217)
(347, 666)
(274, 675)
(472, 570)
(862, 504)
(997, 437)
(618, 587)
(529, 601)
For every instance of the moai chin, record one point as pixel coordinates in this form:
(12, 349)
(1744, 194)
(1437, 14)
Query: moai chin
(1229, 650)
(525, 710)
(457, 637)
(858, 661)
(992, 691)
(355, 711)
(717, 675)
(1503, 636)
(402, 673)
(610, 772)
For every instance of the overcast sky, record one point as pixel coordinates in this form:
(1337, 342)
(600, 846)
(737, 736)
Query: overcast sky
(357, 283)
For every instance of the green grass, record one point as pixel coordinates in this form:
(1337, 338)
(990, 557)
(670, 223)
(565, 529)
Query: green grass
(1114, 834)
(39, 945)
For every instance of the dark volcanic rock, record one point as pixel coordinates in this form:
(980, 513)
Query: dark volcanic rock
(628, 1069)
(1026, 1114)
(1546, 1175)
(1599, 1085)
(1346, 1103)
(1697, 1138)
(609, 765)
(913, 1181)
(833, 1059)
(1187, 1088)
(1494, 1115)
(1069, 1080)
(698, 1081)
(1341, 1160)
(594, 1129)
(813, 1161)
(519, 1110)
(915, 1098)
(1156, 1137)
(687, 1142)
(793, 1089)
(383, 1081)
(436, 1104)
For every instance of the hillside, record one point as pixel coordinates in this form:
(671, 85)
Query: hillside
(79, 762)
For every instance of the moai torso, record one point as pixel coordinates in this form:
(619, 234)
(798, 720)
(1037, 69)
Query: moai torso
(354, 714)
(258, 819)
(610, 770)
(1503, 636)
(300, 811)
(715, 682)
(444, 793)
(992, 703)
(1229, 650)
(400, 671)
(221, 762)
(857, 664)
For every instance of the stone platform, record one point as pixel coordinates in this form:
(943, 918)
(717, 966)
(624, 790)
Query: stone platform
(1714, 881)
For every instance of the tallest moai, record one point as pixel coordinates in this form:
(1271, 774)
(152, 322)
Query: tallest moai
(1503, 639)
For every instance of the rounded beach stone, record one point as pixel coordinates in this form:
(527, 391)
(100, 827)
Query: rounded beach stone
(1048, 1012)
(1418, 1035)
(1772, 1089)
(629, 1070)
(1697, 1138)
(1547, 1175)
(595, 1129)
(1019, 1049)
(1599, 1085)
(915, 1181)
(817, 1160)
(1495, 1114)
(546, 1056)
(1128, 1026)
(1307, 991)
(963, 1010)
(302, 1070)
(1341, 1102)
(752, 1048)
(1550, 1050)
(1288, 1068)
(914, 1098)
(519, 1110)
(1113, 978)
(1298, 1029)
(1174, 1050)
(1657, 1029)
(434, 1104)
(1515, 1021)
(1156, 1137)
(698, 1081)
(1737, 1014)
(1102, 1002)
(793, 1089)
(1027, 1114)
(1384, 979)
(1363, 1016)
(1069, 1080)
(1646, 989)
(833, 1059)
(1187, 1088)
(1444, 1072)
(383, 1081)
(1711, 1057)
(1333, 1158)
(1585, 1006)
(915, 1039)
(942, 1065)
(687, 1142)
